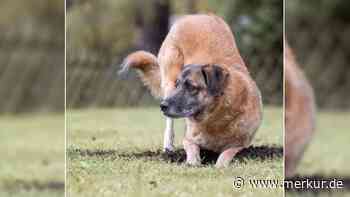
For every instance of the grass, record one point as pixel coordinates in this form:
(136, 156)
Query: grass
(331, 141)
(115, 152)
(328, 156)
(32, 155)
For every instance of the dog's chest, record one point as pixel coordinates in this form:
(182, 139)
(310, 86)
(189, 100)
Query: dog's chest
(208, 141)
(216, 141)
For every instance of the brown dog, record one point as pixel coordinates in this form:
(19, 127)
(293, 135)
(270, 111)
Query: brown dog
(201, 76)
(299, 113)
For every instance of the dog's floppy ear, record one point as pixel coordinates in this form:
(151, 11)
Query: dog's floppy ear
(215, 78)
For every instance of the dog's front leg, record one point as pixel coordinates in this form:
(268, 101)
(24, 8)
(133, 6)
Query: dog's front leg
(168, 144)
(192, 153)
(226, 157)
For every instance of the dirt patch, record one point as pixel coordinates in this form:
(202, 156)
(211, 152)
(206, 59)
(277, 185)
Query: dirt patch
(316, 182)
(15, 185)
(179, 155)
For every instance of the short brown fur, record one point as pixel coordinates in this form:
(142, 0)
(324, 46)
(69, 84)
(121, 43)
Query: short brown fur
(235, 116)
(299, 113)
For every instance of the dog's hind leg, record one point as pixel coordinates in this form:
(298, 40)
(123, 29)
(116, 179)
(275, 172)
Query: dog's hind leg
(226, 157)
(192, 153)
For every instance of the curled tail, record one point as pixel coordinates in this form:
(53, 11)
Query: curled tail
(148, 69)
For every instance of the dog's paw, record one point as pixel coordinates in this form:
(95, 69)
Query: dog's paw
(178, 155)
(169, 150)
(222, 164)
(192, 166)
(193, 162)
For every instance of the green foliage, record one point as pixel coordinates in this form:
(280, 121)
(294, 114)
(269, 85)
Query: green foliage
(258, 29)
(37, 12)
(258, 26)
(32, 55)
(318, 33)
(102, 27)
(335, 11)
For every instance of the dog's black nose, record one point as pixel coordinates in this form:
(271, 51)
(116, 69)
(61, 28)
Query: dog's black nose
(164, 105)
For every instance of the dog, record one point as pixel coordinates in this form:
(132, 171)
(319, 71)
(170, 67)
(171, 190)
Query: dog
(299, 112)
(200, 76)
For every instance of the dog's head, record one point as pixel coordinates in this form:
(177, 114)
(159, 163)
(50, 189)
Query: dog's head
(196, 89)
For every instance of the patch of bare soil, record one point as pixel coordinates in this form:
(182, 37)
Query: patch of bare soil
(15, 185)
(179, 155)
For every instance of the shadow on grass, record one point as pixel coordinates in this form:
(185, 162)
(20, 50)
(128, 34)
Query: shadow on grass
(17, 184)
(179, 155)
(316, 181)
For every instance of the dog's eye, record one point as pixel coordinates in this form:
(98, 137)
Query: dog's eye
(188, 85)
(191, 88)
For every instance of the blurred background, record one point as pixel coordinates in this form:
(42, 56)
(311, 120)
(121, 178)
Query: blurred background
(32, 98)
(32, 56)
(318, 32)
(101, 33)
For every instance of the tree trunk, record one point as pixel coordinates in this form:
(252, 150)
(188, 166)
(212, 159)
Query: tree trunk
(153, 22)
(191, 6)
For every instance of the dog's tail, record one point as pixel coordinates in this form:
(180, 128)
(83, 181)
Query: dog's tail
(148, 69)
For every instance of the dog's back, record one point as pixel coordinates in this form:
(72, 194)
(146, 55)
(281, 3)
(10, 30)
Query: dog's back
(299, 113)
(198, 36)
(193, 39)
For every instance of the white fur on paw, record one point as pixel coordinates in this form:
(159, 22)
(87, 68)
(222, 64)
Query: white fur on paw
(222, 164)
(169, 149)
(193, 162)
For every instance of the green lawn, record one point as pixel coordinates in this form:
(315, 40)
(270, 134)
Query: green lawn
(328, 154)
(32, 155)
(115, 152)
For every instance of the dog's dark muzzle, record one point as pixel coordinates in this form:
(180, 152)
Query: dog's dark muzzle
(164, 106)
(168, 109)
(171, 110)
